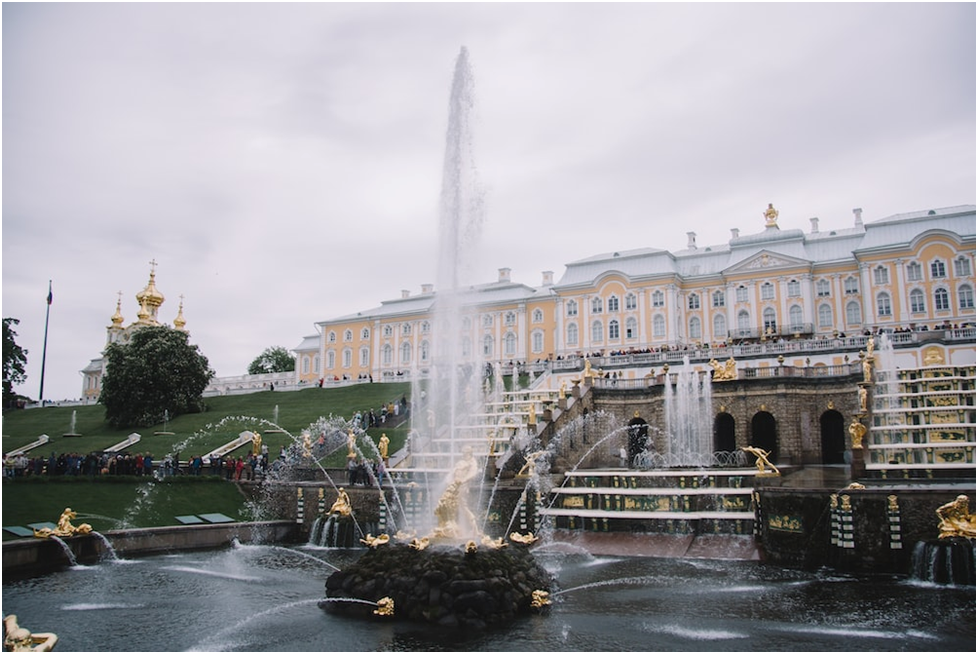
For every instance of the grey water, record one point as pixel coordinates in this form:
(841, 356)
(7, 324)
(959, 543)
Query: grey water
(266, 599)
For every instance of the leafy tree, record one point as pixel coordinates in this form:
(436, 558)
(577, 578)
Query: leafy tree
(14, 360)
(157, 370)
(273, 359)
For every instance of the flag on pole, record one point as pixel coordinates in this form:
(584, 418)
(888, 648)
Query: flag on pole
(50, 296)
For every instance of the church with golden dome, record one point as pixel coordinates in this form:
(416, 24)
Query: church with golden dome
(149, 299)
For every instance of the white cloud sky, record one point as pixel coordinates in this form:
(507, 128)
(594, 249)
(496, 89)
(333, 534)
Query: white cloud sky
(282, 163)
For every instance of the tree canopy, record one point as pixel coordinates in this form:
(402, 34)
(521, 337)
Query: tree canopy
(157, 371)
(14, 360)
(273, 359)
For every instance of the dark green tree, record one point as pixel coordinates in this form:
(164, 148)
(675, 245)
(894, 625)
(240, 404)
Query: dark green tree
(157, 370)
(14, 360)
(273, 359)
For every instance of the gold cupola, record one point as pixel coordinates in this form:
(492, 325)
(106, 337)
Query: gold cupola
(150, 298)
(180, 322)
(117, 318)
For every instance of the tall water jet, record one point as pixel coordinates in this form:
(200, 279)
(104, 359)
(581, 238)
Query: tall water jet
(455, 392)
(689, 418)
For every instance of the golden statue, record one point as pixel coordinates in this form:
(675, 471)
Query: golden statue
(494, 544)
(863, 399)
(419, 543)
(956, 519)
(19, 639)
(770, 216)
(471, 547)
(453, 504)
(351, 445)
(530, 467)
(762, 461)
(383, 445)
(856, 431)
(562, 393)
(725, 371)
(870, 346)
(868, 369)
(64, 528)
(256, 443)
(856, 486)
(374, 542)
(539, 599)
(342, 504)
(385, 606)
(517, 537)
(587, 370)
(306, 445)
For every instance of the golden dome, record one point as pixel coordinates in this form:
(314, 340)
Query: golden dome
(117, 316)
(150, 295)
(179, 322)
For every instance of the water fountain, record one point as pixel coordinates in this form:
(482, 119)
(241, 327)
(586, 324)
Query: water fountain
(72, 428)
(689, 419)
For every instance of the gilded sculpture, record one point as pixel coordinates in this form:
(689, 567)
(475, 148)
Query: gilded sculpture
(856, 431)
(762, 461)
(351, 445)
(863, 399)
(453, 505)
(771, 216)
(342, 504)
(724, 371)
(539, 599)
(373, 542)
(256, 444)
(64, 527)
(530, 467)
(385, 606)
(19, 639)
(528, 539)
(383, 446)
(957, 520)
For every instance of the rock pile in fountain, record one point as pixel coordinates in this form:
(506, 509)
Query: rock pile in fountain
(449, 585)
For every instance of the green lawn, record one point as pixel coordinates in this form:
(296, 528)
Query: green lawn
(110, 502)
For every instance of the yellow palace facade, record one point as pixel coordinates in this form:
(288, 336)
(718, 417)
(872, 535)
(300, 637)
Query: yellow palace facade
(907, 272)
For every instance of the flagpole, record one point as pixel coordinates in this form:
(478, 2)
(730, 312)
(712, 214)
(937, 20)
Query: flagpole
(44, 352)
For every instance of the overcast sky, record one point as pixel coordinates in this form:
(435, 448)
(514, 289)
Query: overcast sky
(282, 163)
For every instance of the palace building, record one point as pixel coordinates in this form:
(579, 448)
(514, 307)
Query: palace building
(150, 300)
(909, 272)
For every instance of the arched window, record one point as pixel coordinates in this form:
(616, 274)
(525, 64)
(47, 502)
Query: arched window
(937, 269)
(743, 295)
(613, 331)
(917, 304)
(825, 315)
(331, 337)
(425, 327)
(694, 301)
(348, 336)
(767, 291)
(387, 354)
(509, 344)
(364, 333)
(796, 318)
(488, 346)
(510, 319)
(536, 341)
(572, 334)
(850, 286)
(883, 306)
(315, 363)
(631, 302)
(854, 314)
(347, 357)
(658, 299)
(406, 329)
(388, 331)
(330, 360)
(305, 365)
(572, 307)
(487, 320)
(631, 327)
(425, 351)
(658, 326)
(613, 303)
(364, 356)
(966, 297)
(823, 288)
(405, 353)
(962, 267)
(597, 306)
(941, 301)
(770, 321)
(695, 328)
(537, 316)
(719, 326)
(743, 320)
(597, 331)
(881, 275)
(915, 272)
(466, 346)
(794, 288)
(719, 299)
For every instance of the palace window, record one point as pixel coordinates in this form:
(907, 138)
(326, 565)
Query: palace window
(658, 326)
(770, 321)
(941, 302)
(405, 353)
(305, 365)
(466, 324)
(719, 326)
(331, 337)
(387, 355)
(348, 336)
(572, 307)
(962, 267)
(796, 318)
(364, 356)
(631, 327)
(695, 329)
(850, 286)
(488, 346)
(825, 315)
(966, 297)
(425, 327)
(823, 288)
(694, 301)
(509, 344)
(425, 351)
(614, 333)
(572, 334)
(915, 272)
(658, 299)
(347, 357)
(597, 331)
(364, 333)
(487, 320)
(854, 314)
(597, 305)
(742, 294)
(537, 315)
(613, 304)
(917, 304)
(388, 331)
(743, 321)
(315, 363)
(794, 288)
(631, 302)
(536, 341)
(466, 346)
(330, 360)
(937, 269)
(767, 291)
(510, 319)
(881, 275)
(883, 307)
(719, 299)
